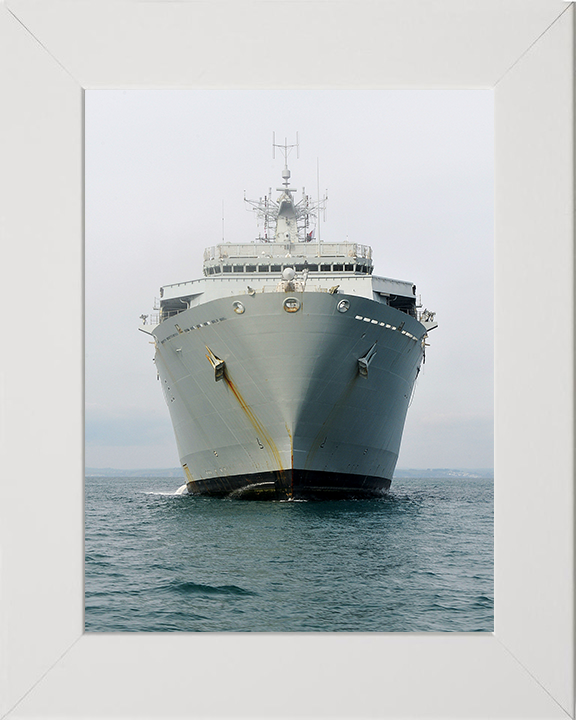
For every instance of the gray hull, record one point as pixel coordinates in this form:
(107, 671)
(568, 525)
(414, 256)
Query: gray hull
(292, 415)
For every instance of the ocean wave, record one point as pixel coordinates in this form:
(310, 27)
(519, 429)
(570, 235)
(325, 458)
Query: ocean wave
(192, 588)
(170, 493)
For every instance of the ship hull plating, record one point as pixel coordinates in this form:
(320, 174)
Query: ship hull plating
(272, 402)
(292, 485)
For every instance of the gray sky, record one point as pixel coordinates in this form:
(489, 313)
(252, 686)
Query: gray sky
(409, 172)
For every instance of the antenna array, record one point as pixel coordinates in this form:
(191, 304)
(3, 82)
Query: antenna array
(284, 148)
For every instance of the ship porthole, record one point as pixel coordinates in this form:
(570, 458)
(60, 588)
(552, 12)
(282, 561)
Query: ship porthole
(238, 307)
(343, 306)
(291, 304)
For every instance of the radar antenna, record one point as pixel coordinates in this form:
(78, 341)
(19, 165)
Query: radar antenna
(285, 149)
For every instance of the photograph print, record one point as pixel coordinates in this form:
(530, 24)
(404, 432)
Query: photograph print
(289, 361)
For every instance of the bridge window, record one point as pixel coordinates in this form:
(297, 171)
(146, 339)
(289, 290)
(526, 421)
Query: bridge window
(263, 268)
(250, 268)
(276, 268)
(227, 268)
(325, 268)
(338, 268)
(349, 268)
(238, 268)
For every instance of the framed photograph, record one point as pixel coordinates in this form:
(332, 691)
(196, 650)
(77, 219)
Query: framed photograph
(55, 52)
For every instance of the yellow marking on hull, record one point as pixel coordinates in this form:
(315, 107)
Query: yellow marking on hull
(262, 432)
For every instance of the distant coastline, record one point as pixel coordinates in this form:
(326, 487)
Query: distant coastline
(473, 473)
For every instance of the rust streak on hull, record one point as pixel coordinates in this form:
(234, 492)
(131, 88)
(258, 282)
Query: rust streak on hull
(262, 433)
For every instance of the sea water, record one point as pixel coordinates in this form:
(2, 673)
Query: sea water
(418, 559)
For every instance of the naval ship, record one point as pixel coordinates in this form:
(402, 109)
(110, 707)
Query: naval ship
(288, 368)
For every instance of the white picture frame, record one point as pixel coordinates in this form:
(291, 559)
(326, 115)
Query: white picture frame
(52, 51)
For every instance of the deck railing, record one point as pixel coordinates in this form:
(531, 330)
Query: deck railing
(263, 250)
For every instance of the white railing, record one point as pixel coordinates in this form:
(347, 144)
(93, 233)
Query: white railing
(264, 250)
(153, 319)
(181, 284)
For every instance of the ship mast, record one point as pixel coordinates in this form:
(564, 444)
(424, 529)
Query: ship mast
(291, 219)
(286, 220)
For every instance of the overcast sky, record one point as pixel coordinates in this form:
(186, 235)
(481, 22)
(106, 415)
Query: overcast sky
(409, 172)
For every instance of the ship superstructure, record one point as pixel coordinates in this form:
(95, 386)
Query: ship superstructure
(288, 367)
